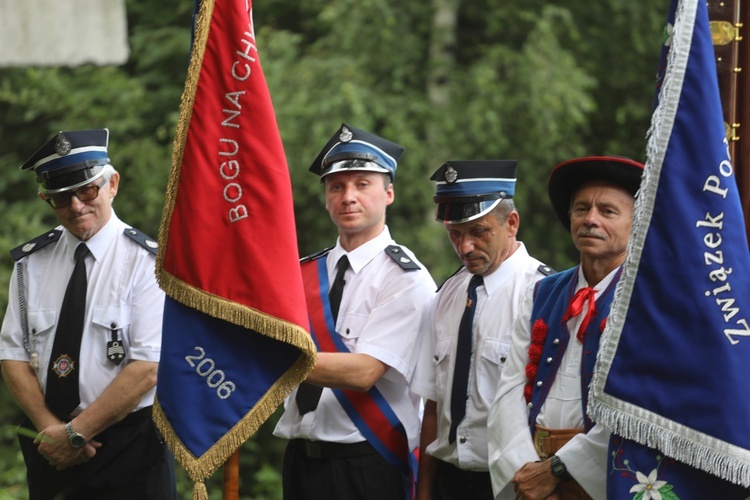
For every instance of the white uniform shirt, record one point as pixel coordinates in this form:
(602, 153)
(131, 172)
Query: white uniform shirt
(122, 291)
(510, 443)
(380, 313)
(498, 302)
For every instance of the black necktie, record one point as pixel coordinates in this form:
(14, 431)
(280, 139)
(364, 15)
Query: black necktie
(61, 395)
(308, 395)
(463, 359)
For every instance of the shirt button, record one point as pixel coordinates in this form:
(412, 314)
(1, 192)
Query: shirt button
(549, 361)
(463, 439)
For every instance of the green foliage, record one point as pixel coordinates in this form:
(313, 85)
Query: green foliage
(537, 81)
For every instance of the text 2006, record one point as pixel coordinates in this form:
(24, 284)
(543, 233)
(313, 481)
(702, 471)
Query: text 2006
(206, 368)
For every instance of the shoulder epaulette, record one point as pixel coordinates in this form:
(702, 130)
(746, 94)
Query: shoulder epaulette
(37, 243)
(546, 270)
(448, 278)
(400, 257)
(142, 239)
(316, 255)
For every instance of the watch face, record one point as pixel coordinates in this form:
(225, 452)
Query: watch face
(558, 468)
(77, 441)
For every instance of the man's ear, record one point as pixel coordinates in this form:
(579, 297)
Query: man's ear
(513, 220)
(114, 183)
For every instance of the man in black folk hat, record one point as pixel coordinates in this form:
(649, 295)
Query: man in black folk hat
(81, 337)
(541, 441)
(354, 425)
(466, 331)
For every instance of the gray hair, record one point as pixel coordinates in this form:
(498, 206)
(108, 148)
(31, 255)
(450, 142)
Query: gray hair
(108, 171)
(503, 209)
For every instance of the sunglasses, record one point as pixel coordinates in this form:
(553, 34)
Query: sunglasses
(85, 193)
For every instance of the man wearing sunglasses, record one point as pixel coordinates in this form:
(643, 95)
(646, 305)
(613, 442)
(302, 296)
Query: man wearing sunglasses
(81, 337)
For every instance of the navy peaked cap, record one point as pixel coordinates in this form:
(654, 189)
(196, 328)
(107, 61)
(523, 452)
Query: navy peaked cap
(353, 149)
(69, 160)
(469, 189)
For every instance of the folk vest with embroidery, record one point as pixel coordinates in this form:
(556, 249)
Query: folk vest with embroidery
(551, 298)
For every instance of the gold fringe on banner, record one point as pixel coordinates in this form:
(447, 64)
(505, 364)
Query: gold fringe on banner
(200, 38)
(199, 491)
(238, 314)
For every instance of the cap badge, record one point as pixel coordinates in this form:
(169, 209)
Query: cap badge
(62, 145)
(345, 135)
(450, 175)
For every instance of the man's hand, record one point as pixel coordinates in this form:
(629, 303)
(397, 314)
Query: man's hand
(53, 444)
(535, 481)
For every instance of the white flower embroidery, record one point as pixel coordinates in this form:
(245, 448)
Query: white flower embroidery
(649, 486)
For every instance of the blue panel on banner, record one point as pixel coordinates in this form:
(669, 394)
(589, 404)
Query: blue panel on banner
(227, 373)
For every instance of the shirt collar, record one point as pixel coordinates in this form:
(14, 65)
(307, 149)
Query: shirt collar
(602, 285)
(363, 254)
(506, 270)
(98, 243)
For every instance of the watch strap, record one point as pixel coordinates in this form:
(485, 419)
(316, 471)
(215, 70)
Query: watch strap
(76, 439)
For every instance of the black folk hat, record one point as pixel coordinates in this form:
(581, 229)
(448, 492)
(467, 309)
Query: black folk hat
(570, 175)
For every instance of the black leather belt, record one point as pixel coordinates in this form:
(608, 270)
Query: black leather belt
(324, 449)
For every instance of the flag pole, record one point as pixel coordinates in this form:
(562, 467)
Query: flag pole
(729, 22)
(231, 489)
(742, 156)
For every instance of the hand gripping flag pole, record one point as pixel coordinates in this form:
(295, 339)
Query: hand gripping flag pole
(235, 331)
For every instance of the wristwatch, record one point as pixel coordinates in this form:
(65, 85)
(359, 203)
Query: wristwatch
(558, 468)
(76, 438)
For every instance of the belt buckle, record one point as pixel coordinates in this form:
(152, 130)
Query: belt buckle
(539, 436)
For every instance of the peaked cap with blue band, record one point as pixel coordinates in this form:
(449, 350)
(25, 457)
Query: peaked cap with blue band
(568, 176)
(354, 149)
(69, 160)
(469, 189)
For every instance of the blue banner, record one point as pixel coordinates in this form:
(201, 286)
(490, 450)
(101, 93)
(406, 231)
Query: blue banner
(675, 357)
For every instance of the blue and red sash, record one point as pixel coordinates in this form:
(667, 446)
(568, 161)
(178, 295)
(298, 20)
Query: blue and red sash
(369, 411)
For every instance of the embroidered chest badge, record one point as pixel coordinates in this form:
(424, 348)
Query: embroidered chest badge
(63, 366)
